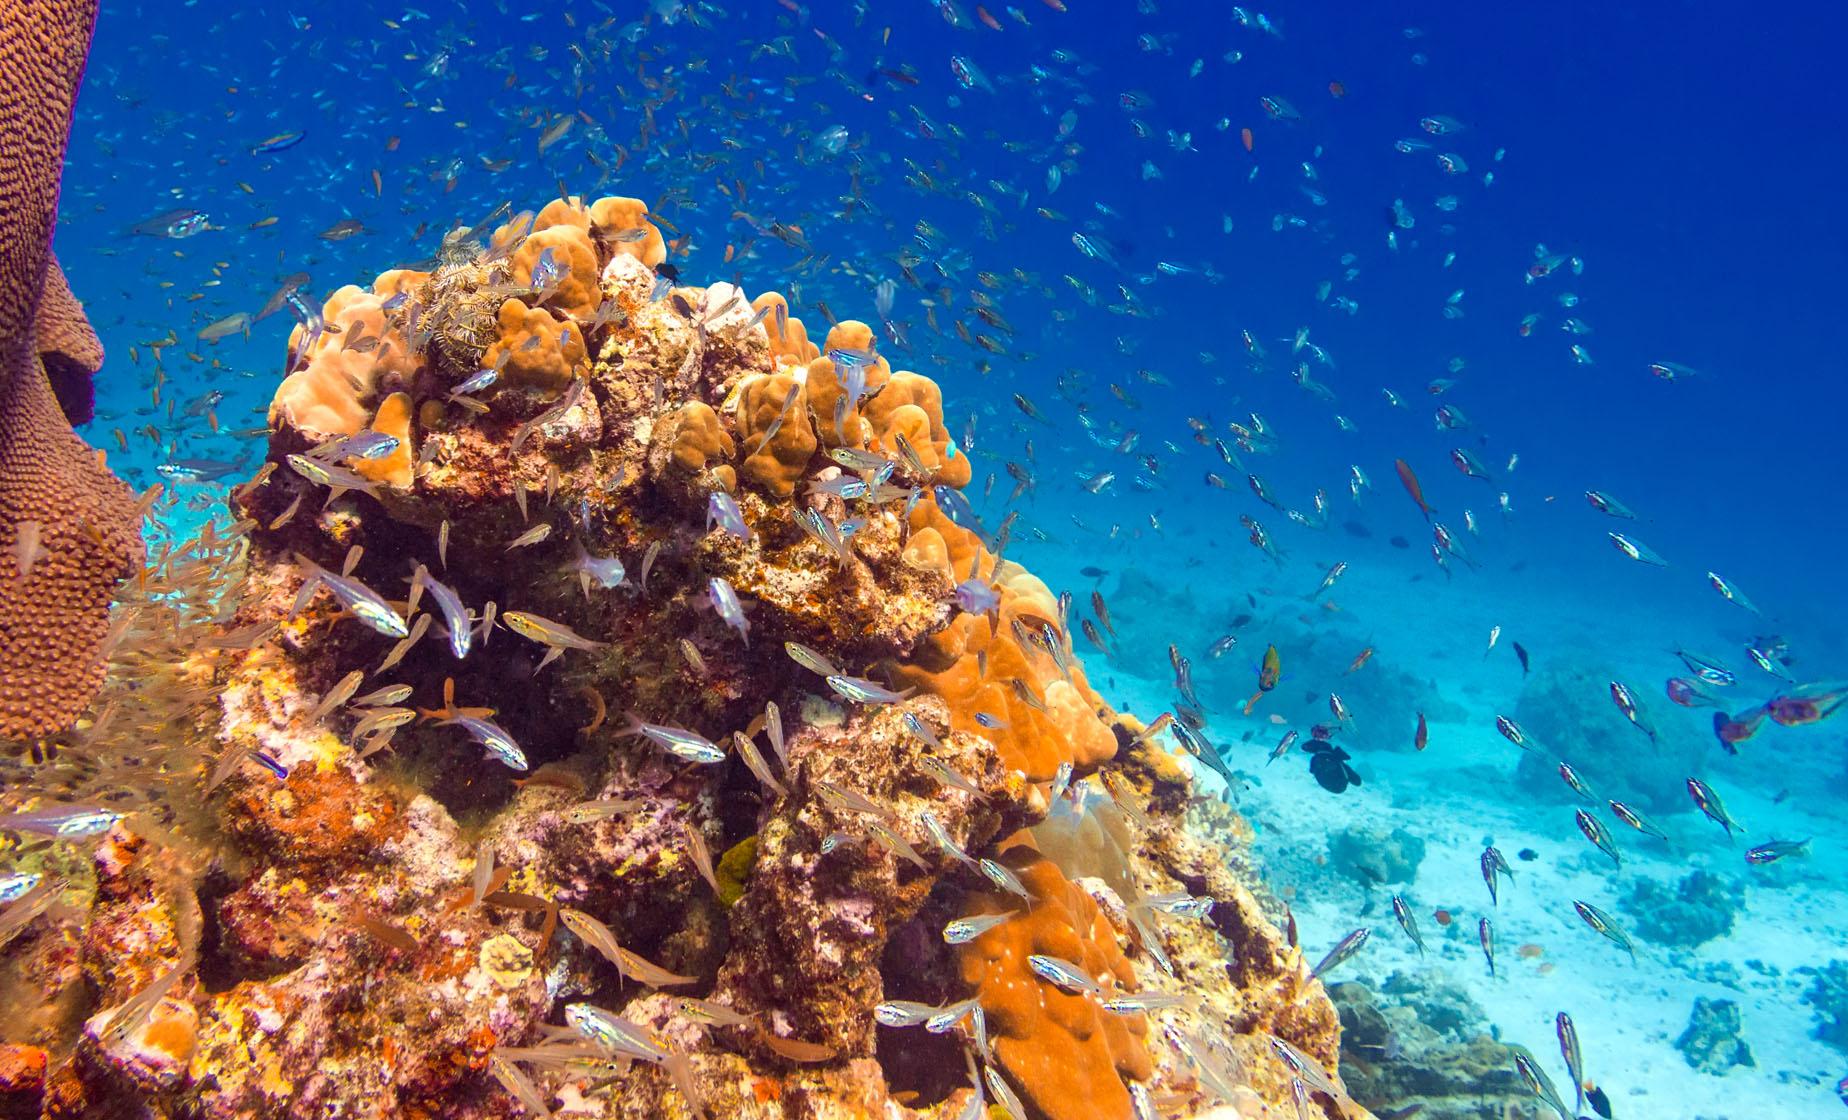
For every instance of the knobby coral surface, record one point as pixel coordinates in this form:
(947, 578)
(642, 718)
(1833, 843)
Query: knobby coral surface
(659, 690)
(68, 524)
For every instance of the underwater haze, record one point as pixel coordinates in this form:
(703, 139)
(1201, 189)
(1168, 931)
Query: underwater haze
(1433, 410)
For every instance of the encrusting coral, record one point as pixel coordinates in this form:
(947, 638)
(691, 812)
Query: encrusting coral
(71, 525)
(765, 726)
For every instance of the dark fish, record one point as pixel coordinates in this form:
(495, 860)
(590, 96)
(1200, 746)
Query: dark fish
(1329, 765)
(1522, 654)
(342, 229)
(1399, 542)
(1599, 1103)
(1092, 573)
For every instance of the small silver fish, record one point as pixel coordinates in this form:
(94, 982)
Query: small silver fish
(1342, 951)
(689, 745)
(725, 601)
(964, 930)
(500, 745)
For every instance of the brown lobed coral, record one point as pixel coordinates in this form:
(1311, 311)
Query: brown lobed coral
(692, 589)
(71, 524)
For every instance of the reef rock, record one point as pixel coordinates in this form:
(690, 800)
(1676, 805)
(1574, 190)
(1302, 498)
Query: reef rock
(1566, 709)
(1421, 1041)
(1375, 857)
(1712, 1043)
(1828, 994)
(1698, 908)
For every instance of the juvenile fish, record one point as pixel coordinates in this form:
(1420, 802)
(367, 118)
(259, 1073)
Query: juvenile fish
(863, 691)
(689, 745)
(1632, 711)
(499, 745)
(964, 930)
(1343, 951)
(1538, 1083)
(1064, 975)
(455, 615)
(1407, 922)
(1709, 803)
(64, 822)
(1606, 926)
(361, 601)
(1636, 820)
(1569, 1050)
(725, 601)
(1595, 832)
(547, 632)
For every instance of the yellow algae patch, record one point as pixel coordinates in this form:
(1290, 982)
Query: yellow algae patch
(506, 961)
(393, 419)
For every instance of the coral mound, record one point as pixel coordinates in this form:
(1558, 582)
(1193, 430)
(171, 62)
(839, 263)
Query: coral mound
(620, 720)
(58, 502)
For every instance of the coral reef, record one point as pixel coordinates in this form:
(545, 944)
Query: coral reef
(1375, 857)
(1712, 1043)
(1422, 1041)
(1828, 994)
(1699, 907)
(795, 800)
(72, 524)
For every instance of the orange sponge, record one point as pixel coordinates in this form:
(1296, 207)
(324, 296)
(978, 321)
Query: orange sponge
(1067, 1054)
(1037, 717)
(911, 405)
(700, 441)
(393, 419)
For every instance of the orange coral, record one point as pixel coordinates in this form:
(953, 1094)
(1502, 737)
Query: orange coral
(51, 622)
(622, 224)
(778, 464)
(839, 424)
(548, 363)
(1066, 725)
(393, 419)
(577, 293)
(699, 440)
(330, 394)
(911, 405)
(1068, 1055)
(789, 341)
(67, 346)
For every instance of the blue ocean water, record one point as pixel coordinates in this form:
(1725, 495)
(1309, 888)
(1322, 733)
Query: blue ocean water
(1681, 159)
